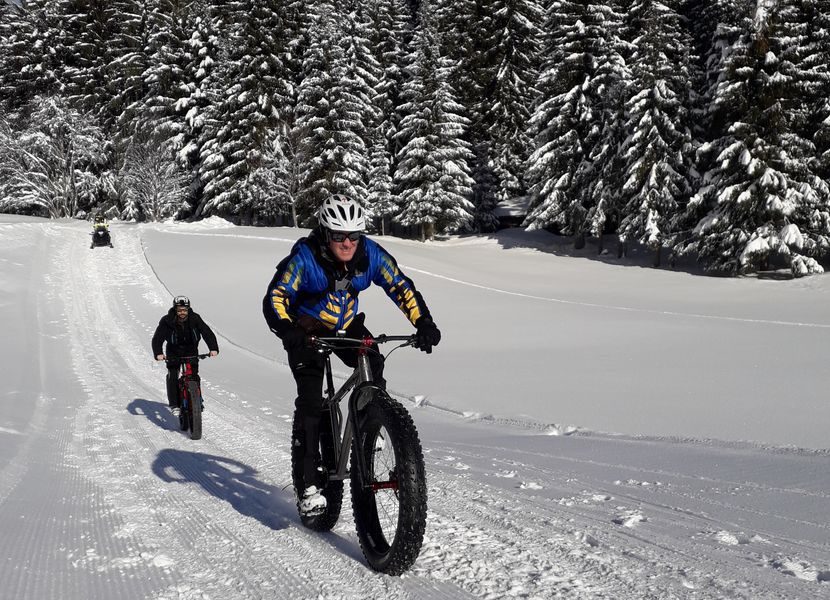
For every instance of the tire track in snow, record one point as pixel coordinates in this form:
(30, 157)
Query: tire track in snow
(195, 543)
(59, 510)
(207, 532)
(590, 508)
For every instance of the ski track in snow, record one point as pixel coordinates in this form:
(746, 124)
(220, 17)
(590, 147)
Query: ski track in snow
(153, 514)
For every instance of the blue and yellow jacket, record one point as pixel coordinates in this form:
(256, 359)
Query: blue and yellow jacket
(308, 283)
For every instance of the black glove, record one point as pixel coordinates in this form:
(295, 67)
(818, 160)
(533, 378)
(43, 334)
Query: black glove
(427, 335)
(294, 338)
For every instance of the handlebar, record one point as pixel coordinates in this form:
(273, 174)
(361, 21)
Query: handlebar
(335, 342)
(181, 359)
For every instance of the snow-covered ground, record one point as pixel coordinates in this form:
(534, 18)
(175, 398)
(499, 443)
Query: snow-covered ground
(592, 429)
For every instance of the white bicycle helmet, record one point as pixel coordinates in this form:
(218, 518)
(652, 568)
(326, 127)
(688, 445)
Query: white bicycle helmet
(341, 213)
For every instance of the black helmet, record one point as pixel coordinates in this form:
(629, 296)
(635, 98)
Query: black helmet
(181, 301)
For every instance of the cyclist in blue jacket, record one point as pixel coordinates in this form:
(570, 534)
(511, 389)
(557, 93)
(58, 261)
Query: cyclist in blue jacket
(315, 292)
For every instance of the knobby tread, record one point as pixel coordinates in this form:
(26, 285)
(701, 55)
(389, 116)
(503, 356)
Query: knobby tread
(194, 410)
(398, 557)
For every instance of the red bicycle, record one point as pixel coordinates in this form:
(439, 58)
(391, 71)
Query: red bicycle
(190, 395)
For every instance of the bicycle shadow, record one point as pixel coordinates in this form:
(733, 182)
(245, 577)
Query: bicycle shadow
(229, 480)
(156, 412)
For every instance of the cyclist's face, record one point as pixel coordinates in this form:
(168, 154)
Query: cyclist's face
(181, 312)
(343, 251)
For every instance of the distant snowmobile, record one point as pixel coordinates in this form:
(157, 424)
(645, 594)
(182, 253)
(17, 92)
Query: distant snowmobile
(101, 235)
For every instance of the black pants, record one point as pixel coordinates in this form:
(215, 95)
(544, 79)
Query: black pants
(173, 379)
(307, 367)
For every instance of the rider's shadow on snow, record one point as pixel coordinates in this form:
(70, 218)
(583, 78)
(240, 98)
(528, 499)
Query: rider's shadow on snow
(229, 480)
(157, 412)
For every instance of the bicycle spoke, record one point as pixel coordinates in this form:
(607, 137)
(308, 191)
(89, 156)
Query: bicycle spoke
(385, 485)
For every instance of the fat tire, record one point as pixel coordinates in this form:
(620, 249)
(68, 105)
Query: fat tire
(332, 489)
(397, 556)
(194, 410)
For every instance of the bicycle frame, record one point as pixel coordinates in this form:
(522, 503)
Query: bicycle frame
(185, 374)
(362, 388)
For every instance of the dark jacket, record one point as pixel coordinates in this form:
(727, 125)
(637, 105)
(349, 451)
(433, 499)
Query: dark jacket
(182, 338)
(309, 285)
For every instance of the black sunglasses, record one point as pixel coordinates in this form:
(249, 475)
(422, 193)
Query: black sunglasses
(340, 236)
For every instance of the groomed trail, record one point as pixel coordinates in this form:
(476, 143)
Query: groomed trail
(101, 496)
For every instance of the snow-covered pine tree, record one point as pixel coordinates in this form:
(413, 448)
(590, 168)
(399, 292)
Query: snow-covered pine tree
(26, 70)
(433, 174)
(807, 45)
(53, 160)
(716, 26)
(8, 203)
(746, 212)
(603, 170)
(312, 126)
(155, 182)
(185, 126)
(334, 111)
(384, 206)
(582, 66)
(113, 197)
(514, 59)
(248, 90)
(356, 80)
(154, 75)
(809, 50)
(387, 32)
(658, 152)
(126, 82)
(272, 186)
(465, 29)
(485, 188)
(86, 29)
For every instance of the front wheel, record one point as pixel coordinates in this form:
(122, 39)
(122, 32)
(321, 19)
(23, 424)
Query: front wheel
(390, 507)
(194, 410)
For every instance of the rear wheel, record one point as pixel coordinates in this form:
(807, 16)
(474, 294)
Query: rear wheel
(390, 508)
(194, 410)
(332, 489)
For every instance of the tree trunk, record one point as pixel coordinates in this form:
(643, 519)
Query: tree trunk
(657, 256)
(579, 240)
(427, 231)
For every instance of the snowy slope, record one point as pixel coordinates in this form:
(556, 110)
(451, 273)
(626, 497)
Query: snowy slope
(102, 497)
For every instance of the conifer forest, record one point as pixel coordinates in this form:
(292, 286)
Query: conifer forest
(693, 128)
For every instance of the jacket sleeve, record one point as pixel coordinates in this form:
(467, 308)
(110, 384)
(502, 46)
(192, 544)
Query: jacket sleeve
(208, 335)
(158, 339)
(282, 291)
(399, 287)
